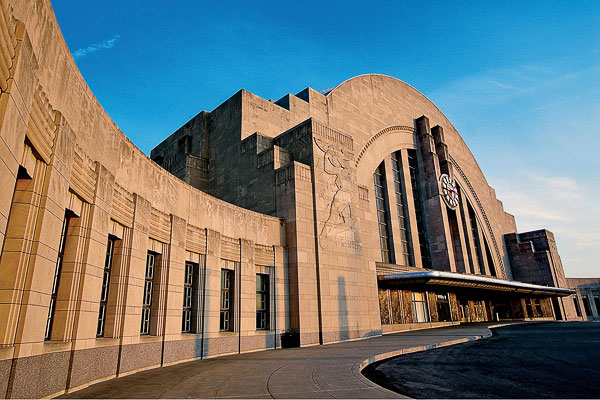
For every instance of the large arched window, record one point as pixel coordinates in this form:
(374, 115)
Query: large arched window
(476, 241)
(403, 216)
(383, 220)
(413, 168)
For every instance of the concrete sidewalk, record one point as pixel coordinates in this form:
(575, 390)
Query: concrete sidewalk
(329, 371)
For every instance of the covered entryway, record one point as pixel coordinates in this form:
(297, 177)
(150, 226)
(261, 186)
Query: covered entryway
(437, 296)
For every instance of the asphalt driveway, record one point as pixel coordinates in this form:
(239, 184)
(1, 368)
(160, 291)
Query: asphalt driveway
(544, 360)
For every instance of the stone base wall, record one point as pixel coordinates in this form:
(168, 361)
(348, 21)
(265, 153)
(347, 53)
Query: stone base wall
(64, 372)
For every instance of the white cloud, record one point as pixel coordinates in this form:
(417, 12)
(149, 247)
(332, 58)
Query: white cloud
(529, 84)
(105, 44)
(534, 130)
(562, 205)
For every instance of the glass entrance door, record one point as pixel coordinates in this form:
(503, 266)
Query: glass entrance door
(465, 313)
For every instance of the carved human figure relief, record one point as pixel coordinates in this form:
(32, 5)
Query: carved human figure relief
(339, 223)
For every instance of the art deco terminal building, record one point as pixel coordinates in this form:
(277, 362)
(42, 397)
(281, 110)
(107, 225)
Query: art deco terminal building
(330, 215)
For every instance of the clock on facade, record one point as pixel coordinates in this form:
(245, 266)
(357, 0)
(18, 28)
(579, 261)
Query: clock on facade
(449, 191)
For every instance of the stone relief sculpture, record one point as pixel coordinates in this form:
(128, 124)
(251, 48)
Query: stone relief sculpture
(340, 224)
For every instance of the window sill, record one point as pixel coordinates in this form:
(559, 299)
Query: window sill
(56, 342)
(56, 345)
(150, 338)
(106, 341)
(228, 333)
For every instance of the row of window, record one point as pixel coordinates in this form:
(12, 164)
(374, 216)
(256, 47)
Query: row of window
(192, 293)
(227, 302)
(383, 219)
(192, 298)
(587, 305)
(406, 252)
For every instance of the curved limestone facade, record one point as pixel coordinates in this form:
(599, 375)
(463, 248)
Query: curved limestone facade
(260, 224)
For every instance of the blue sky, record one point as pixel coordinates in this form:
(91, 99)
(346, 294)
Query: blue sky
(519, 80)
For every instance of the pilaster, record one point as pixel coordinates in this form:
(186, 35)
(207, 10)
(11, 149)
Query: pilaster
(438, 232)
(54, 200)
(137, 268)
(175, 272)
(247, 299)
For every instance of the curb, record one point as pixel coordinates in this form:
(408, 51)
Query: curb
(416, 349)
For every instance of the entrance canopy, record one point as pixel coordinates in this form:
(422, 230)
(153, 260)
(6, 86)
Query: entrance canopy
(443, 278)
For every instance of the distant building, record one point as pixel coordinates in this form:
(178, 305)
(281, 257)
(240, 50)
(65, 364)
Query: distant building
(316, 218)
(587, 302)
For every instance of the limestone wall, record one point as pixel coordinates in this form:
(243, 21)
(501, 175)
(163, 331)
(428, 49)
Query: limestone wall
(341, 138)
(62, 158)
(367, 106)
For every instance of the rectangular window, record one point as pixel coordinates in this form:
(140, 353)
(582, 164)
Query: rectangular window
(262, 301)
(466, 232)
(413, 168)
(226, 300)
(56, 279)
(586, 306)
(455, 237)
(537, 308)
(403, 217)
(381, 201)
(490, 259)
(479, 313)
(148, 291)
(420, 309)
(443, 307)
(577, 308)
(110, 249)
(529, 308)
(476, 240)
(189, 288)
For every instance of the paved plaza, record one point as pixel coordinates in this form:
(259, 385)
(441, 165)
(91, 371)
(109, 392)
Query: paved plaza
(329, 371)
(545, 360)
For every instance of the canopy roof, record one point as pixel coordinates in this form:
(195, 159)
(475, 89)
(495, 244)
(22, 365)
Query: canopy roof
(472, 281)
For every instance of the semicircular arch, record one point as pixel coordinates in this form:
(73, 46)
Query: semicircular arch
(381, 145)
